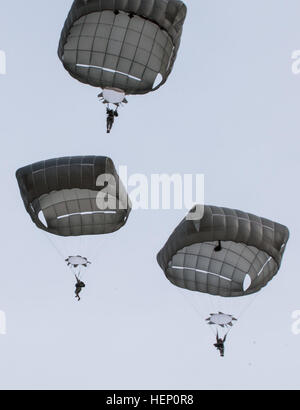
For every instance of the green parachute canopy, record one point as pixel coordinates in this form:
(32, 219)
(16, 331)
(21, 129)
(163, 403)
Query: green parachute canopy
(64, 197)
(227, 253)
(122, 46)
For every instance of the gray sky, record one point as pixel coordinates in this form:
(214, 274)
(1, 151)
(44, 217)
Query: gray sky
(230, 110)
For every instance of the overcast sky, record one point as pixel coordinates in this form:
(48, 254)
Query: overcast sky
(230, 110)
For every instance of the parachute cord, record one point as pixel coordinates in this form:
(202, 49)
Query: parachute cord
(247, 307)
(62, 256)
(78, 274)
(193, 306)
(214, 330)
(243, 312)
(229, 330)
(80, 245)
(55, 247)
(95, 253)
(212, 302)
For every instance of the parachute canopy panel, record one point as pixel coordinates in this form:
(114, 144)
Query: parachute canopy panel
(219, 253)
(62, 196)
(124, 44)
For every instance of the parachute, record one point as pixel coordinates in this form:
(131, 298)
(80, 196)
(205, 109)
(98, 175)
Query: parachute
(221, 319)
(228, 254)
(125, 47)
(66, 192)
(73, 197)
(76, 261)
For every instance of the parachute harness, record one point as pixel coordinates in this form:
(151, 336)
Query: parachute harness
(113, 98)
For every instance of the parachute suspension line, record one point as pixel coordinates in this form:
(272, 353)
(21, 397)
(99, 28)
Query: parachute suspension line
(195, 308)
(73, 270)
(212, 303)
(55, 246)
(78, 274)
(214, 309)
(243, 312)
(84, 248)
(80, 243)
(92, 251)
(97, 254)
(247, 307)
